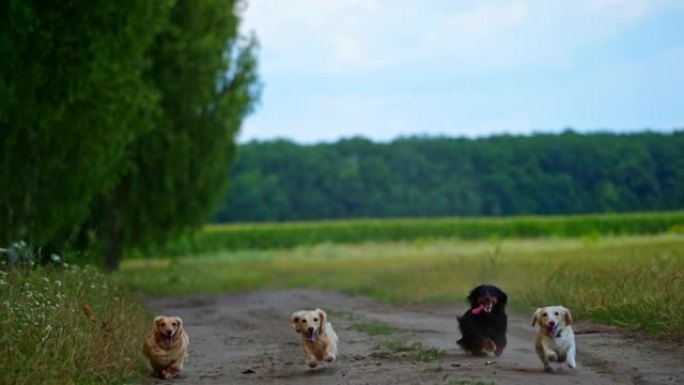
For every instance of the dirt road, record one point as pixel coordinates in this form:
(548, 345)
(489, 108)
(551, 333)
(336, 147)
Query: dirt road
(247, 339)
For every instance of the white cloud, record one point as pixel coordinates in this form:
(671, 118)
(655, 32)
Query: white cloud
(382, 68)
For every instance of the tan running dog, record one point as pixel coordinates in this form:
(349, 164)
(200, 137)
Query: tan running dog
(167, 346)
(319, 340)
(555, 341)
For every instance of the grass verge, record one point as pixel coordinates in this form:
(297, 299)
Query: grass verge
(414, 351)
(374, 328)
(634, 281)
(68, 326)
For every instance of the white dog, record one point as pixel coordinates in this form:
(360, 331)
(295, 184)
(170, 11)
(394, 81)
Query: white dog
(318, 337)
(555, 341)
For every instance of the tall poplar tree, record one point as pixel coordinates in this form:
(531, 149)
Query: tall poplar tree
(205, 74)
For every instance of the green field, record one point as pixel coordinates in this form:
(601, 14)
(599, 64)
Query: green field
(631, 281)
(263, 236)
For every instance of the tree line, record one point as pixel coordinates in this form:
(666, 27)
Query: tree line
(566, 173)
(117, 119)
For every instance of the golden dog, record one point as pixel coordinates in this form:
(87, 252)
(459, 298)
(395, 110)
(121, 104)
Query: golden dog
(167, 346)
(319, 340)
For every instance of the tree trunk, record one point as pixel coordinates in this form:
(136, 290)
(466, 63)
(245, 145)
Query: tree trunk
(113, 238)
(113, 250)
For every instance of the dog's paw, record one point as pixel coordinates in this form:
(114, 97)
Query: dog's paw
(329, 358)
(572, 364)
(552, 357)
(168, 374)
(313, 364)
(489, 345)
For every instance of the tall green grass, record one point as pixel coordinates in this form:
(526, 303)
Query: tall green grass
(47, 337)
(215, 238)
(635, 282)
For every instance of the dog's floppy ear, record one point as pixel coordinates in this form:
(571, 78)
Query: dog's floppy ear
(473, 297)
(295, 321)
(567, 316)
(157, 320)
(323, 316)
(157, 323)
(180, 322)
(503, 297)
(535, 316)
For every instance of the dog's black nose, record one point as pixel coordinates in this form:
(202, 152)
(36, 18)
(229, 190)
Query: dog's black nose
(551, 323)
(310, 328)
(169, 332)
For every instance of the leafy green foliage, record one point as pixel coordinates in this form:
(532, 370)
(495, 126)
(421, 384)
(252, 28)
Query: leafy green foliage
(205, 74)
(541, 174)
(117, 119)
(71, 100)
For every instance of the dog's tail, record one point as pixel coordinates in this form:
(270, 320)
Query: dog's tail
(88, 311)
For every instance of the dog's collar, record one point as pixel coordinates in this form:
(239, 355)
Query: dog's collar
(308, 341)
(557, 334)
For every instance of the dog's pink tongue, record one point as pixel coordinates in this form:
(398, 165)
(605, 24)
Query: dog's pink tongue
(478, 310)
(312, 337)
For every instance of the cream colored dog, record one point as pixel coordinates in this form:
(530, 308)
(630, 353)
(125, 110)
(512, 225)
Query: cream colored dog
(555, 341)
(167, 346)
(318, 337)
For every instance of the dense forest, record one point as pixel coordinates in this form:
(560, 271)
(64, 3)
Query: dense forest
(567, 173)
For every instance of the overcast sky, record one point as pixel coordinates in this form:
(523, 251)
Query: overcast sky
(388, 68)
